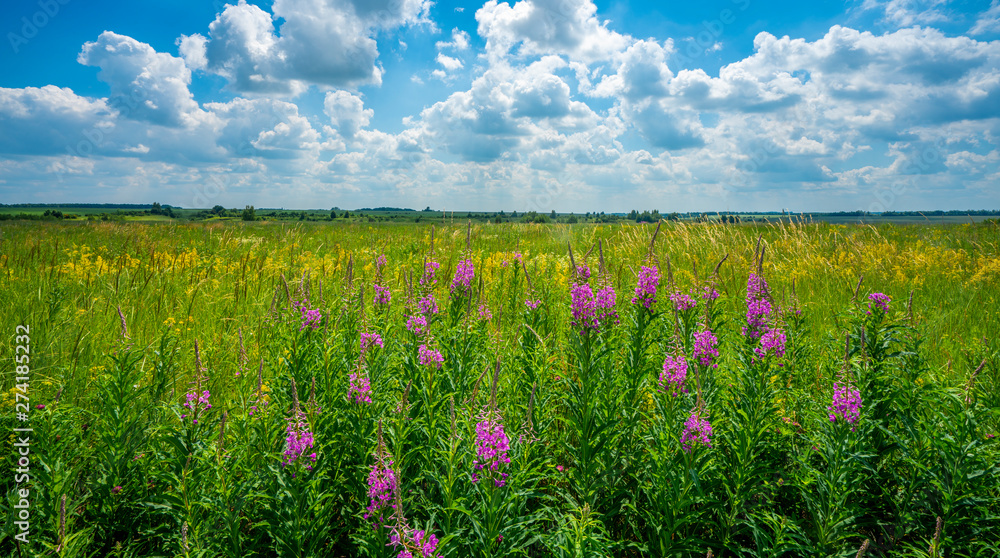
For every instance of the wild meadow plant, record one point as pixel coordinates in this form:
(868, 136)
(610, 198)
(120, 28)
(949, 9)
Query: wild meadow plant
(512, 400)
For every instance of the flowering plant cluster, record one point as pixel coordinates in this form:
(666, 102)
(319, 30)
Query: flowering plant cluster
(382, 488)
(592, 311)
(846, 404)
(360, 387)
(382, 295)
(462, 280)
(758, 307)
(705, 350)
(196, 403)
(417, 325)
(427, 305)
(878, 302)
(414, 542)
(430, 357)
(299, 439)
(673, 374)
(645, 289)
(369, 340)
(682, 302)
(772, 342)
(697, 431)
(492, 445)
(430, 273)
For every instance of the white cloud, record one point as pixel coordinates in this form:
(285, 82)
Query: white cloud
(145, 84)
(347, 113)
(568, 27)
(448, 63)
(988, 21)
(459, 41)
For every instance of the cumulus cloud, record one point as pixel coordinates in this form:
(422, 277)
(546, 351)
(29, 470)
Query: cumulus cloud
(320, 42)
(52, 120)
(539, 27)
(145, 84)
(459, 41)
(347, 113)
(988, 21)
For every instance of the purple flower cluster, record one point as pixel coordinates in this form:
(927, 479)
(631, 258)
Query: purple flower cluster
(705, 350)
(380, 262)
(462, 279)
(382, 295)
(709, 293)
(880, 301)
(428, 305)
(582, 272)
(846, 403)
(673, 375)
(491, 448)
(645, 288)
(423, 542)
(299, 439)
(382, 487)
(430, 357)
(485, 313)
(590, 310)
(682, 302)
(773, 341)
(430, 273)
(309, 317)
(369, 340)
(533, 304)
(360, 388)
(696, 431)
(417, 325)
(197, 403)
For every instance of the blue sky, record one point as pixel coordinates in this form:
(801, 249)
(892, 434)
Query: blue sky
(530, 105)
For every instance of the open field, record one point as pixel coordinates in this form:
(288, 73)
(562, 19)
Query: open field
(250, 389)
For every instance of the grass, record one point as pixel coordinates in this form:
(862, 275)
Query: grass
(606, 474)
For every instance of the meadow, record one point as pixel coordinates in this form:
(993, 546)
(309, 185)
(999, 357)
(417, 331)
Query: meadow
(400, 390)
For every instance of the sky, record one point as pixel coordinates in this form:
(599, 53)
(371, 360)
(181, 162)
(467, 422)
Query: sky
(529, 105)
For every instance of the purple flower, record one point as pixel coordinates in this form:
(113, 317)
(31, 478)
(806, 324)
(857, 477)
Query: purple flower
(705, 350)
(491, 448)
(40, 406)
(417, 325)
(382, 487)
(674, 373)
(360, 388)
(709, 293)
(758, 307)
(422, 542)
(697, 431)
(880, 301)
(309, 318)
(590, 310)
(197, 403)
(369, 340)
(773, 341)
(484, 312)
(645, 288)
(380, 262)
(298, 441)
(430, 357)
(382, 295)
(462, 280)
(582, 272)
(846, 403)
(682, 302)
(428, 305)
(116, 490)
(533, 304)
(430, 273)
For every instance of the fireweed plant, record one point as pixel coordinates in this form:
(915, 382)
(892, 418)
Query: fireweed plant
(598, 416)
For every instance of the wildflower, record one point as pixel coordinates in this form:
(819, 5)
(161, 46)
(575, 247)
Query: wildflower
(380, 262)
(758, 307)
(583, 307)
(423, 542)
(428, 305)
(430, 273)
(696, 431)
(605, 301)
(645, 288)
(709, 293)
(417, 325)
(462, 280)
(382, 487)
(40, 406)
(382, 295)
(705, 350)
(197, 403)
(533, 304)
(360, 388)
(309, 317)
(299, 440)
(682, 302)
(116, 490)
(560, 468)
(430, 357)
(846, 403)
(491, 447)
(369, 340)
(879, 301)
(673, 375)
(582, 272)
(485, 313)
(773, 340)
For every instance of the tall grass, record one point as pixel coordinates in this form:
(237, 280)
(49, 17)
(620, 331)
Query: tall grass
(597, 464)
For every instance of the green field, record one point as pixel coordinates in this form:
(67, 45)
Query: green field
(565, 403)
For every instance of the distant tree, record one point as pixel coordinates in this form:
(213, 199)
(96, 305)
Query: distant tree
(249, 214)
(333, 214)
(428, 208)
(572, 220)
(302, 216)
(552, 215)
(156, 209)
(219, 210)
